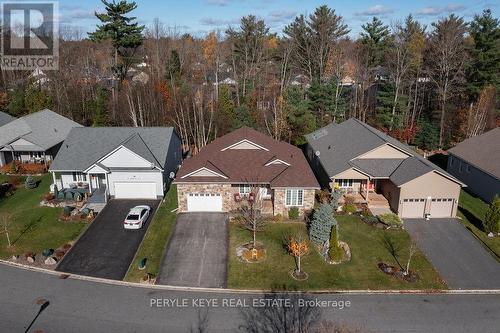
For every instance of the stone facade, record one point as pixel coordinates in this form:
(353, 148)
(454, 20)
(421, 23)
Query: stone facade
(281, 208)
(228, 191)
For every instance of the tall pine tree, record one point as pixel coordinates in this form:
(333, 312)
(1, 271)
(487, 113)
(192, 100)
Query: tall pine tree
(124, 33)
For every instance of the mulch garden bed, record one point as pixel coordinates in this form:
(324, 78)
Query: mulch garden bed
(397, 272)
(248, 254)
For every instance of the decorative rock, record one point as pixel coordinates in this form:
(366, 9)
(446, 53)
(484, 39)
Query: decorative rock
(491, 235)
(15, 257)
(50, 261)
(31, 260)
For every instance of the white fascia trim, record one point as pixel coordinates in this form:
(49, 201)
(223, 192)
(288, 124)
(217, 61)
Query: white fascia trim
(277, 161)
(203, 169)
(245, 141)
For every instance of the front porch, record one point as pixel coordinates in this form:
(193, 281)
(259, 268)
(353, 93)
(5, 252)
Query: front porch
(369, 192)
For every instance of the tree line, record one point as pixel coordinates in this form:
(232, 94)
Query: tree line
(430, 86)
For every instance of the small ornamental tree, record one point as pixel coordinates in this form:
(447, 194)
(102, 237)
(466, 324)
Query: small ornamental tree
(321, 224)
(29, 183)
(298, 246)
(491, 221)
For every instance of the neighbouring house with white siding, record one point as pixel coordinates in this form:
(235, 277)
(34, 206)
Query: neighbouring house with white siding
(118, 162)
(34, 138)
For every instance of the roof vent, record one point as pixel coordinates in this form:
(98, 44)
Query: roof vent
(317, 152)
(329, 147)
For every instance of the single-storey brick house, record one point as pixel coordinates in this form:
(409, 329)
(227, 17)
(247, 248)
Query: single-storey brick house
(476, 162)
(227, 172)
(375, 168)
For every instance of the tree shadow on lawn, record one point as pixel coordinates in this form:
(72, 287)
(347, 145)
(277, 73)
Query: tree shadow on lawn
(27, 228)
(472, 218)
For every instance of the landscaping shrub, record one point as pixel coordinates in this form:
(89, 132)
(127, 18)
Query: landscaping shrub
(67, 211)
(321, 224)
(15, 180)
(390, 219)
(13, 168)
(349, 208)
(48, 196)
(29, 183)
(365, 211)
(335, 252)
(491, 222)
(335, 197)
(293, 213)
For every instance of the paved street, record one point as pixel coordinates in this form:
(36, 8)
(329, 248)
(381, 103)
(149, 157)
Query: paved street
(458, 257)
(84, 306)
(106, 249)
(196, 254)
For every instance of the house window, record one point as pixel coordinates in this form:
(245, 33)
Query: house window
(343, 183)
(294, 197)
(244, 189)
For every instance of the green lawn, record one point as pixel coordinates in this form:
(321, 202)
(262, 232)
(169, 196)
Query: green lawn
(156, 238)
(34, 228)
(471, 210)
(360, 273)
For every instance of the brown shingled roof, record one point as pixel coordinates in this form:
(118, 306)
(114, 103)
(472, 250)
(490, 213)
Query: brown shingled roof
(249, 165)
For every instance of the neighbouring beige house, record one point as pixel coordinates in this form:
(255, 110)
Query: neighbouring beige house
(244, 166)
(377, 169)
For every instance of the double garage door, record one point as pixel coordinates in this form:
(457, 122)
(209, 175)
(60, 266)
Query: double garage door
(135, 190)
(416, 207)
(204, 202)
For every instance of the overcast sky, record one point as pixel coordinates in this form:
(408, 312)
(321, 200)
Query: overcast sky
(201, 16)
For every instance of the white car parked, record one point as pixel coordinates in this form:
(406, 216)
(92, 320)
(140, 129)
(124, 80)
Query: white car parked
(136, 217)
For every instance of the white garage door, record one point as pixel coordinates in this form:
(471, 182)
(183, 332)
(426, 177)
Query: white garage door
(135, 190)
(441, 207)
(204, 202)
(413, 207)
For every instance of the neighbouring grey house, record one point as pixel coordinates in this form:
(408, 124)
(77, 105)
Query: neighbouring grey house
(5, 118)
(380, 171)
(118, 162)
(34, 138)
(476, 162)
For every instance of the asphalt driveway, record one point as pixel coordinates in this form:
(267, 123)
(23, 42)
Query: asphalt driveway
(106, 249)
(458, 257)
(197, 252)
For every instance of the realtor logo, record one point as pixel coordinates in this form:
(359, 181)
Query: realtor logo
(30, 37)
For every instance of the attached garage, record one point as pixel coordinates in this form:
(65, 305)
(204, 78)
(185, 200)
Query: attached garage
(204, 202)
(413, 207)
(135, 190)
(441, 207)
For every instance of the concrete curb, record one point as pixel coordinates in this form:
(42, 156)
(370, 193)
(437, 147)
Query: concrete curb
(250, 291)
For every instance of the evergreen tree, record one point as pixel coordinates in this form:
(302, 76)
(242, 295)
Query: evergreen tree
(376, 38)
(29, 183)
(37, 99)
(385, 103)
(321, 224)
(226, 115)
(16, 105)
(299, 117)
(484, 68)
(491, 221)
(100, 109)
(173, 67)
(125, 34)
(243, 117)
(427, 136)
